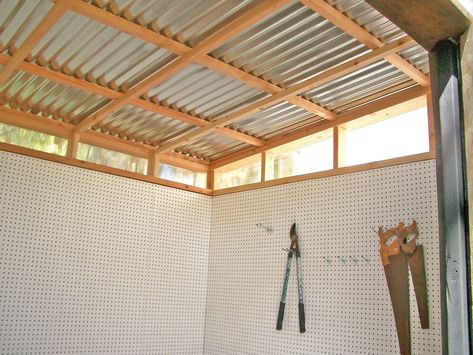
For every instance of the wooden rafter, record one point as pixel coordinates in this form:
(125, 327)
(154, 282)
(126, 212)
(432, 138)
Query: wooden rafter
(176, 47)
(138, 102)
(344, 118)
(325, 77)
(25, 49)
(65, 130)
(356, 31)
(221, 35)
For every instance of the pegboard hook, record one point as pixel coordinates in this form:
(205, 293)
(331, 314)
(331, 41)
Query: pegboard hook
(327, 260)
(366, 259)
(353, 259)
(342, 259)
(269, 230)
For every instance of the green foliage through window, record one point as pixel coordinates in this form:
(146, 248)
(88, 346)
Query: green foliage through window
(32, 139)
(111, 158)
(184, 176)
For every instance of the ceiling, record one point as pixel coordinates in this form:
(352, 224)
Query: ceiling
(200, 78)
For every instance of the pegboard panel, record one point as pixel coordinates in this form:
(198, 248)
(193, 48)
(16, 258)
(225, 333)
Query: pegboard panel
(95, 263)
(347, 303)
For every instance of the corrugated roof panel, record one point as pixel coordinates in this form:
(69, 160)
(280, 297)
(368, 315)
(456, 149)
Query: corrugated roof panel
(190, 20)
(417, 56)
(19, 19)
(212, 146)
(273, 119)
(39, 94)
(205, 92)
(289, 46)
(369, 18)
(364, 82)
(87, 49)
(136, 124)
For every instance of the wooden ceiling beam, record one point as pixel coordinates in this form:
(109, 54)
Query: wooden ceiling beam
(221, 35)
(64, 130)
(323, 78)
(178, 48)
(38, 33)
(349, 26)
(344, 118)
(138, 102)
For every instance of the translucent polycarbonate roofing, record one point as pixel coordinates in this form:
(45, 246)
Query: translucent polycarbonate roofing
(287, 47)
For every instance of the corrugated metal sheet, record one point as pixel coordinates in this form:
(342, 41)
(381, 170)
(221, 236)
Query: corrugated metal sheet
(273, 119)
(289, 46)
(364, 82)
(212, 146)
(87, 49)
(136, 124)
(189, 20)
(41, 95)
(18, 19)
(205, 92)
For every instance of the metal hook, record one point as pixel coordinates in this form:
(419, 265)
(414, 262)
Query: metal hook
(266, 228)
(353, 259)
(366, 259)
(342, 259)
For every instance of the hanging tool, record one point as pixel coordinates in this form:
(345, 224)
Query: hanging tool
(398, 250)
(293, 250)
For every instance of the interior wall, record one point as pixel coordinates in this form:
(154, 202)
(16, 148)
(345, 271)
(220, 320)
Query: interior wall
(347, 303)
(95, 263)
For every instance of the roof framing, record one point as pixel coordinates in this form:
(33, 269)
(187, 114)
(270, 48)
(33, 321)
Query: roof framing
(224, 33)
(318, 80)
(179, 48)
(356, 31)
(81, 84)
(136, 95)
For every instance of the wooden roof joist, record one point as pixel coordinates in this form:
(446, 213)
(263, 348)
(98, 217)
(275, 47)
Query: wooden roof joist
(325, 77)
(367, 109)
(224, 33)
(64, 130)
(356, 31)
(25, 49)
(176, 47)
(138, 102)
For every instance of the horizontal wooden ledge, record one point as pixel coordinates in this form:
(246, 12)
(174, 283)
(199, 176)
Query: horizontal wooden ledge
(328, 173)
(100, 168)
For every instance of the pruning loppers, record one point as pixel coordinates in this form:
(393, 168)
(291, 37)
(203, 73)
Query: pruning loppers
(293, 250)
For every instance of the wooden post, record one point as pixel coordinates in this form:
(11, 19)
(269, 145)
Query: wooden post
(211, 179)
(339, 146)
(153, 163)
(263, 166)
(72, 145)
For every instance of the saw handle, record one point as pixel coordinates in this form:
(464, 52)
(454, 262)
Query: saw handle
(301, 318)
(280, 315)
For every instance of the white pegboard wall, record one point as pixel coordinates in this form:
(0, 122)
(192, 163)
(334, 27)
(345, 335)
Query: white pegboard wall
(348, 309)
(95, 263)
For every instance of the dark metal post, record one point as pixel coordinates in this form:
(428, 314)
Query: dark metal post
(446, 97)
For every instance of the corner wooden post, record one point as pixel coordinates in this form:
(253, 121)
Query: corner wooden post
(153, 163)
(211, 179)
(339, 146)
(263, 166)
(72, 145)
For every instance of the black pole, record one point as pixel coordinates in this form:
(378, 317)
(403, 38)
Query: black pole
(453, 232)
